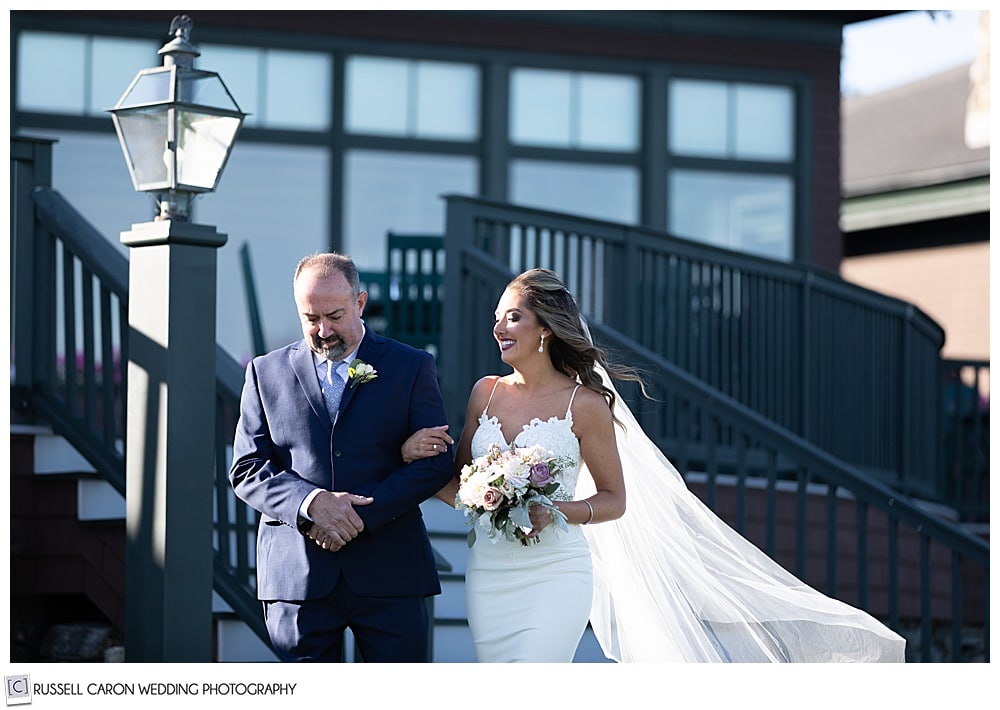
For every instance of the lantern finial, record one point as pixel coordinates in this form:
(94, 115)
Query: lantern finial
(179, 50)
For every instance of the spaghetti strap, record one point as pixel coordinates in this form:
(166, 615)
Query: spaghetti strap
(495, 383)
(569, 414)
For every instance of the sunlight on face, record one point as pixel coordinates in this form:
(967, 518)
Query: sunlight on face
(516, 327)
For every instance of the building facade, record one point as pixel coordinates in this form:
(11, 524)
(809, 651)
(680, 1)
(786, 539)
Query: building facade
(721, 127)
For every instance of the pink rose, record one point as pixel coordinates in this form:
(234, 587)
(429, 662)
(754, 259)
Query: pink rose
(492, 497)
(540, 475)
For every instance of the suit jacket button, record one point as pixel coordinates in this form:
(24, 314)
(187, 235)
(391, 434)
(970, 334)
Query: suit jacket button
(337, 454)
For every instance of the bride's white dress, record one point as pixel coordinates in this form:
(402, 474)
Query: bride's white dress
(668, 581)
(530, 603)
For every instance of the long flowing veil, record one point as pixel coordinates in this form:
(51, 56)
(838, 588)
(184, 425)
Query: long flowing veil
(673, 582)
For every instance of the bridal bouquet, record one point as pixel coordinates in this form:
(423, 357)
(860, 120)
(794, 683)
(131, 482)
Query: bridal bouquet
(497, 490)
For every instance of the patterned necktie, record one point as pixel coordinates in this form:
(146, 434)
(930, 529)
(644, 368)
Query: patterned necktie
(333, 389)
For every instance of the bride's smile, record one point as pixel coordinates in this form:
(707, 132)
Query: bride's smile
(516, 324)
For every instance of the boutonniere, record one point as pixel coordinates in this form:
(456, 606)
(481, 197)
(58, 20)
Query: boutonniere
(360, 372)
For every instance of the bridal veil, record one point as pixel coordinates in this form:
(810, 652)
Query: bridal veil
(673, 582)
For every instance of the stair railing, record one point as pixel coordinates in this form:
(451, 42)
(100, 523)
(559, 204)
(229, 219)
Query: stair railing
(69, 355)
(852, 371)
(831, 524)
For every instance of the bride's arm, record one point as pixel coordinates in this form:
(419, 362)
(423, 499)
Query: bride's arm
(463, 452)
(595, 428)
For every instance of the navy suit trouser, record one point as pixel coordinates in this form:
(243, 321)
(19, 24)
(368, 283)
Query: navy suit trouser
(386, 629)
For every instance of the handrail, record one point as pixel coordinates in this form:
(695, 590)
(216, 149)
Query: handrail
(72, 260)
(805, 465)
(755, 463)
(793, 342)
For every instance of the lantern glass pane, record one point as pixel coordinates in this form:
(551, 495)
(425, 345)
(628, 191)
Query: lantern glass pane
(205, 89)
(143, 134)
(203, 144)
(147, 89)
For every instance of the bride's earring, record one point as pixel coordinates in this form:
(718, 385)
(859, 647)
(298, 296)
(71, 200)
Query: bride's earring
(541, 345)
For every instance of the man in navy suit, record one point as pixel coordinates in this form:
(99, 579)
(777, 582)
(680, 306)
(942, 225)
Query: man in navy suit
(341, 542)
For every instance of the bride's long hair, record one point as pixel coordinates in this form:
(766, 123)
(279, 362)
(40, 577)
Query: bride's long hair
(572, 351)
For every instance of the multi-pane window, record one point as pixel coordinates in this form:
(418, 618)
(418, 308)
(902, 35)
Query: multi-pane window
(411, 98)
(561, 109)
(575, 111)
(740, 211)
(732, 152)
(714, 119)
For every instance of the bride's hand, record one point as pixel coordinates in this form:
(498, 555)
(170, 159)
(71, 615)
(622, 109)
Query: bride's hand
(425, 443)
(540, 518)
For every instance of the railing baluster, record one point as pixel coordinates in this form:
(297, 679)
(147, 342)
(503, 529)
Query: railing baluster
(831, 539)
(862, 554)
(772, 503)
(926, 606)
(801, 522)
(894, 562)
(956, 606)
(69, 332)
(741, 483)
(89, 361)
(109, 368)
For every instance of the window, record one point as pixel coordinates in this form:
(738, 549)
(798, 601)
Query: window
(732, 205)
(586, 111)
(732, 121)
(739, 211)
(412, 99)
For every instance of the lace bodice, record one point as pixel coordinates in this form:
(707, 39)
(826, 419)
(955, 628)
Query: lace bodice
(554, 434)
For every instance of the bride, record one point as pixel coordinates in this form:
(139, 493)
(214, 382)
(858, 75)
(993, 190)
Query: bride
(661, 579)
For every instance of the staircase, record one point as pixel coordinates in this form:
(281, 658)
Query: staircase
(68, 548)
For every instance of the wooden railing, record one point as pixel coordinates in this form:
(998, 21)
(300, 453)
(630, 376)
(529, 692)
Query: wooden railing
(831, 524)
(852, 371)
(69, 356)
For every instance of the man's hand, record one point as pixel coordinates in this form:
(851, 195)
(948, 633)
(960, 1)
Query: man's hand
(425, 443)
(334, 521)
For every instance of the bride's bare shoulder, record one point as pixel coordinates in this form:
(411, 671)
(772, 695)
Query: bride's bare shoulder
(485, 384)
(481, 392)
(588, 403)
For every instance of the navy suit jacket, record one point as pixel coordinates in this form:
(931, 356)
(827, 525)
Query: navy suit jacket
(285, 447)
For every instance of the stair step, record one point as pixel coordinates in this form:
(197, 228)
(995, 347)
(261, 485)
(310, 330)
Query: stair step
(439, 517)
(453, 549)
(98, 500)
(54, 455)
(236, 643)
(450, 604)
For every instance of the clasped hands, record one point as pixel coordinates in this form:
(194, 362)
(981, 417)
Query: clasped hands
(335, 522)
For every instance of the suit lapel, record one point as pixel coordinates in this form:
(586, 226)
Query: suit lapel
(369, 351)
(304, 367)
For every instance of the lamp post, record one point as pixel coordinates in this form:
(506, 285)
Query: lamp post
(177, 126)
